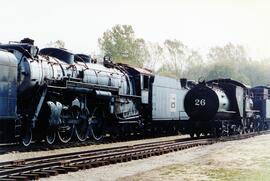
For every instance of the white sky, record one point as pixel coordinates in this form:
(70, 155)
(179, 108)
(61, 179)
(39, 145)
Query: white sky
(200, 24)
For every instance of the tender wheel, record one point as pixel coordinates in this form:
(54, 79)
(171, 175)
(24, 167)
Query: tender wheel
(82, 128)
(96, 124)
(65, 133)
(50, 136)
(27, 136)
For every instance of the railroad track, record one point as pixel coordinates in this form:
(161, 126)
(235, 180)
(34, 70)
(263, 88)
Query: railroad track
(7, 148)
(35, 168)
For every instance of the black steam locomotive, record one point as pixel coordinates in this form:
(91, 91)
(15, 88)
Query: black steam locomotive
(51, 94)
(226, 107)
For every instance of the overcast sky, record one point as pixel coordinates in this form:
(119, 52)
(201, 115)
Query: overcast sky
(200, 24)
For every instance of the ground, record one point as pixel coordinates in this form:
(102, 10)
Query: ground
(236, 160)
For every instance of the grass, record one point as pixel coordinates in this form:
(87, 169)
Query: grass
(225, 174)
(218, 174)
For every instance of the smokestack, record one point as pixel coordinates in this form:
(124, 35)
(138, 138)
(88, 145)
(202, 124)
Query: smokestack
(28, 41)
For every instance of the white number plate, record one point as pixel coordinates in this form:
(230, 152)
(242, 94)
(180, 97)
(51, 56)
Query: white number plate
(199, 102)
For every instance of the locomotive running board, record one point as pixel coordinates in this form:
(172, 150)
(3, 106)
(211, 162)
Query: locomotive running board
(77, 86)
(91, 86)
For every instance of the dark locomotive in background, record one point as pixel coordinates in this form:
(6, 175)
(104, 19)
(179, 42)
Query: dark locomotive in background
(51, 94)
(225, 107)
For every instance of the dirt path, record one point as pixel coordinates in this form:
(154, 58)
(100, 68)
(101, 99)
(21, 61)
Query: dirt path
(237, 160)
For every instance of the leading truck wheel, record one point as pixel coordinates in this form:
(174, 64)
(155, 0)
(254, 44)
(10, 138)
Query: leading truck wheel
(96, 124)
(27, 136)
(82, 128)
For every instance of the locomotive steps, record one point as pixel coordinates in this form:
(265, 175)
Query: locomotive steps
(35, 168)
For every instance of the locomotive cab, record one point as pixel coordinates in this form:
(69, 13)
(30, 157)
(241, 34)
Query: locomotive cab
(145, 85)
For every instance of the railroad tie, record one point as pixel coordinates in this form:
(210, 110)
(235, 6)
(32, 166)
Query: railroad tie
(31, 176)
(18, 162)
(51, 172)
(19, 177)
(7, 179)
(96, 164)
(61, 170)
(134, 157)
(71, 169)
(41, 174)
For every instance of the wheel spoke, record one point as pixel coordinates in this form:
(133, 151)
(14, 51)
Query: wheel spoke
(82, 128)
(96, 125)
(65, 133)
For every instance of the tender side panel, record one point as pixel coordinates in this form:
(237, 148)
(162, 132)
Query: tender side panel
(167, 99)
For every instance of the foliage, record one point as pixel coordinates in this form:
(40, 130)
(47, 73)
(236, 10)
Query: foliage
(174, 59)
(175, 55)
(122, 45)
(178, 59)
(228, 53)
(155, 57)
(56, 44)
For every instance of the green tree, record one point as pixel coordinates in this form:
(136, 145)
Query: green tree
(229, 53)
(257, 72)
(57, 44)
(155, 57)
(165, 70)
(175, 56)
(228, 61)
(195, 66)
(218, 70)
(180, 61)
(121, 44)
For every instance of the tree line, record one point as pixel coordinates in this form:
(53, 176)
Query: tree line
(174, 59)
